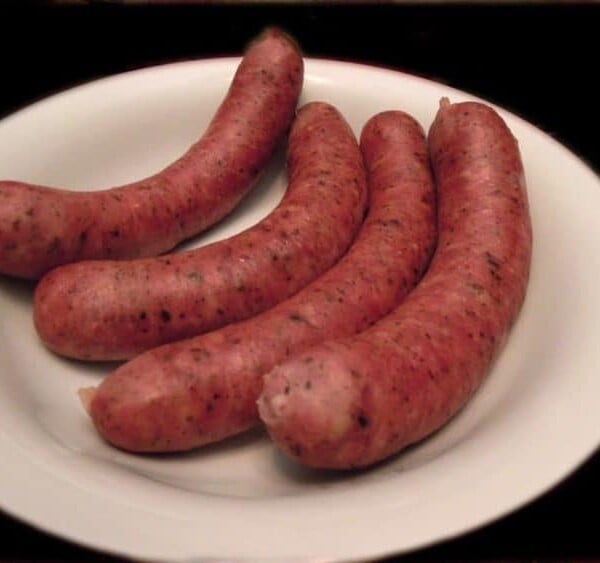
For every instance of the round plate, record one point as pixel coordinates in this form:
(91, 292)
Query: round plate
(535, 419)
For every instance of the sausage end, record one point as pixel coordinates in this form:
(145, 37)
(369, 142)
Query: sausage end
(86, 396)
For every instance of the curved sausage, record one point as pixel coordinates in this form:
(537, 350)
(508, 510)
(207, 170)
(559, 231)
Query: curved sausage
(107, 310)
(190, 393)
(42, 227)
(352, 402)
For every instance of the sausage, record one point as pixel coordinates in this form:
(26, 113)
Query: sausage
(193, 392)
(112, 310)
(42, 227)
(352, 402)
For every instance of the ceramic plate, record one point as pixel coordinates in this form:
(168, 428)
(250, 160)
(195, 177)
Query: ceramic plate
(535, 420)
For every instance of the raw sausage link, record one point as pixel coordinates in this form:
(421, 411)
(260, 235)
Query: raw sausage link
(107, 310)
(42, 227)
(352, 402)
(190, 393)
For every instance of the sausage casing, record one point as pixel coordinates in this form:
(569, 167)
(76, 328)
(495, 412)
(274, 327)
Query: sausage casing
(42, 227)
(190, 393)
(112, 310)
(352, 402)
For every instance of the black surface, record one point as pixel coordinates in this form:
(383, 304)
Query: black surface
(537, 60)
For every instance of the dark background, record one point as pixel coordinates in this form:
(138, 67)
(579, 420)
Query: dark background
(539, 60)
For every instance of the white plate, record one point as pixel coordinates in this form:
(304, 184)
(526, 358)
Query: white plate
(534, 421)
